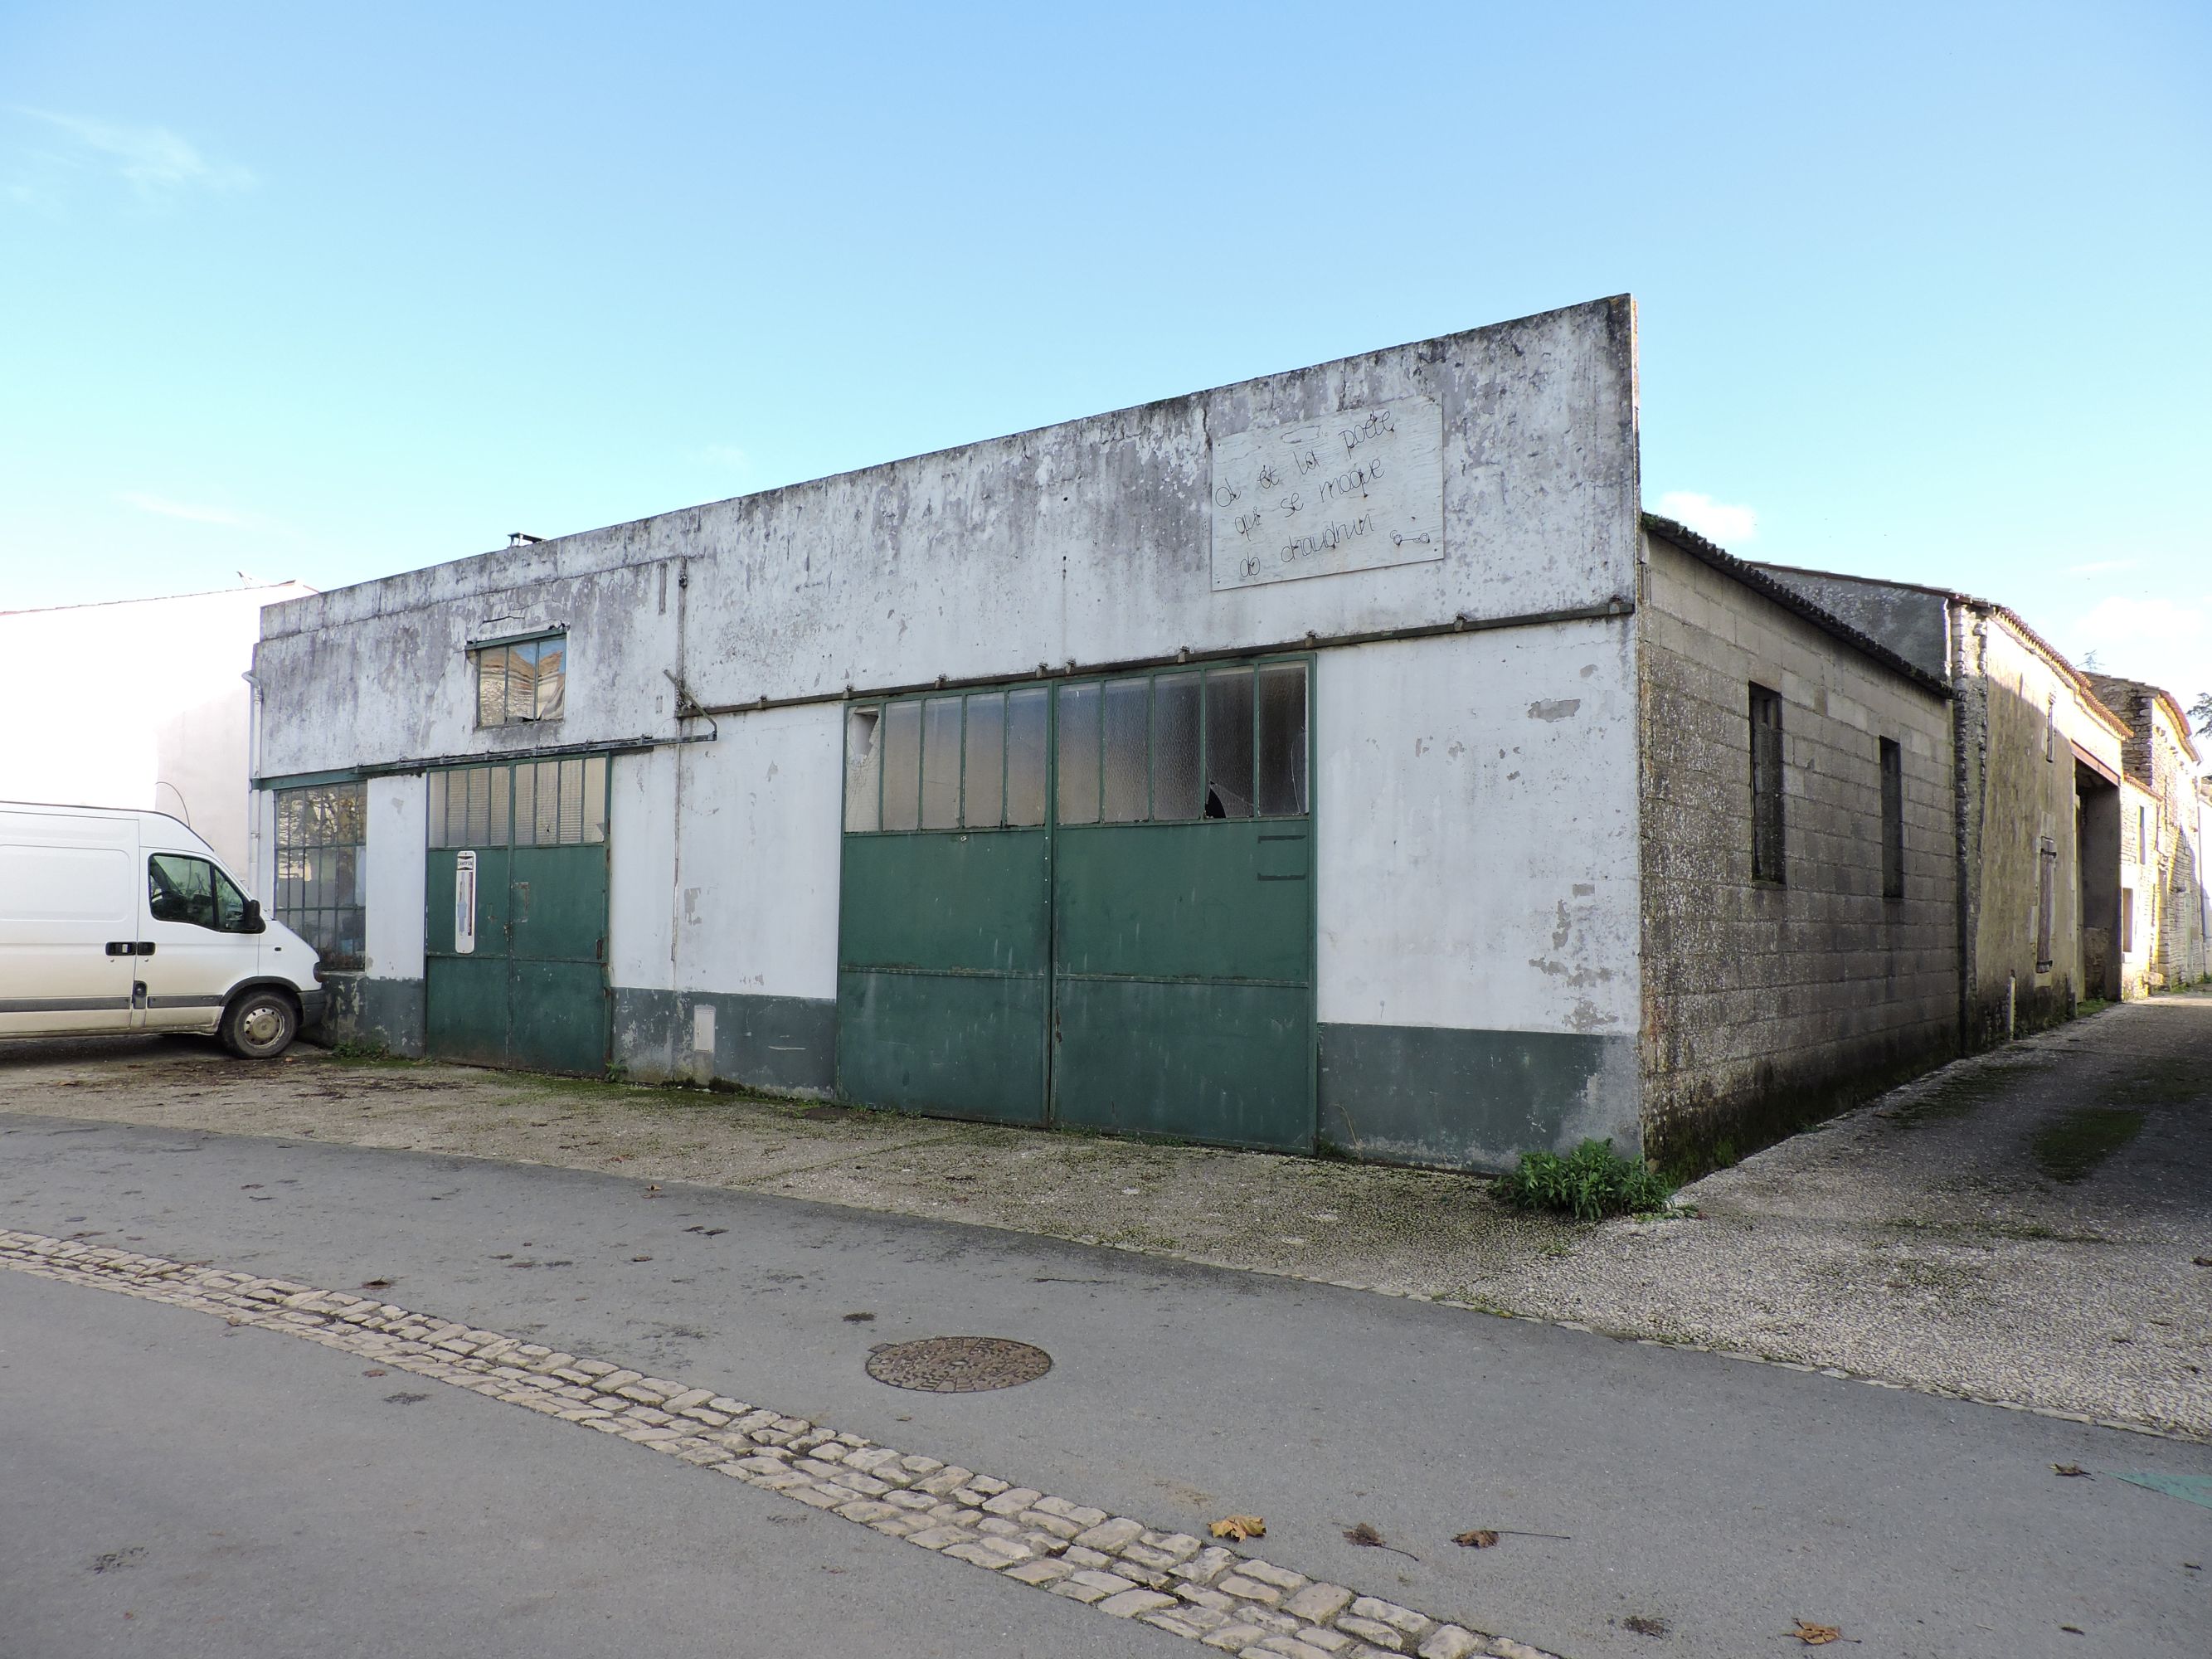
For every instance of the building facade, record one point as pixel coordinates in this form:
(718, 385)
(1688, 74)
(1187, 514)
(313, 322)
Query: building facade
(2036, 797)
(1269, 767)
(2162, 874)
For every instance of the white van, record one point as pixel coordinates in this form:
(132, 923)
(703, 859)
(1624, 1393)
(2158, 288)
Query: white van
(120, 921)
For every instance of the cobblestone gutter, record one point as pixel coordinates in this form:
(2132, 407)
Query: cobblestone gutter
(1220, 1597)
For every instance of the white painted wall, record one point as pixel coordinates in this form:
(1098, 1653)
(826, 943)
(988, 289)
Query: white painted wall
(397, 831)
(1476, 823)
(139, 704)
(642, 870)
(1090, 541)
(757, 878)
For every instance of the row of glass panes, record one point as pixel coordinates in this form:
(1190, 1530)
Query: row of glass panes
(335, 932)
(321, 814)
(526, 681)
(316, 878)
(551, 803)
(1174, 745)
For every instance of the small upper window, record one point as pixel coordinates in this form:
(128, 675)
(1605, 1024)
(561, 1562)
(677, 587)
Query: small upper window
(522, 682)
(193, 891)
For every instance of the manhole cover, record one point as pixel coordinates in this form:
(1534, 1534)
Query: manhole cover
(958, 1365)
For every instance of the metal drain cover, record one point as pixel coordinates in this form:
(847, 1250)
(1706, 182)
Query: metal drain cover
(958, 1365)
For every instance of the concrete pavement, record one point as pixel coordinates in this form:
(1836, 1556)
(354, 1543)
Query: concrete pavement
(1721, 1499)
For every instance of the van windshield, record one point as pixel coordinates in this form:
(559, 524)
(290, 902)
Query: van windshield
(192, 890)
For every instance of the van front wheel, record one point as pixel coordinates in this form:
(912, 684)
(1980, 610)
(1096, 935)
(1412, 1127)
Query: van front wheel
(260, 1025)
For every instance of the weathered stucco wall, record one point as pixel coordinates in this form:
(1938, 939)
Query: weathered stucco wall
(1476, 857)
(1090, 541)
(1766, 1006)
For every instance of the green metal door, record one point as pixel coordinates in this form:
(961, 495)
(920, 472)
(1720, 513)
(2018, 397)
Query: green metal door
(1182, 907)
(519, 976)
(943, 972)
(1131, 948)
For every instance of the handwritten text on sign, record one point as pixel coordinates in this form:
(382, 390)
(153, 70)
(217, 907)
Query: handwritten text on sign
(1354, 491)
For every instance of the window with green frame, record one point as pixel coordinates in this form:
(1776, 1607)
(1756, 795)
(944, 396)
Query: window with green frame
(1170, 745)
(322, 835)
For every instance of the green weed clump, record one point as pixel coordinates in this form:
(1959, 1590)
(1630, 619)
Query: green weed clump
(1590, 1183)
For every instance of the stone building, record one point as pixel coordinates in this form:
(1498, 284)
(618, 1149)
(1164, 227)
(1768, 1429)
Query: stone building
(2162, 872)
(1334, 760)
(2037, 800)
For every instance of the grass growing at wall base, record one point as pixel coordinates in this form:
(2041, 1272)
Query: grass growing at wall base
(1590, 1183)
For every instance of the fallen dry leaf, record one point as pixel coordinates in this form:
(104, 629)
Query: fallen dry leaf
(1238, 1528)
(1480, 1539)
(1363, 1534)
(1816, 1636)
(376, 1284)
(2070, 1468)
(373, 1372)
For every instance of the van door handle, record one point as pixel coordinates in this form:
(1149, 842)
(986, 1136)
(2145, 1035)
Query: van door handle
(129, 947)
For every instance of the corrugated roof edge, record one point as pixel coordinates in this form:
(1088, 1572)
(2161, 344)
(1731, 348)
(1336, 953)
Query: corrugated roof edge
(1759, 581)
(2011, 617)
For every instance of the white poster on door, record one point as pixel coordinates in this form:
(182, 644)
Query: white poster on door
(464, 903)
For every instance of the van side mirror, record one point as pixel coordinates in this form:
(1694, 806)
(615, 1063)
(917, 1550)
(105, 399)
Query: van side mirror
(254, 924)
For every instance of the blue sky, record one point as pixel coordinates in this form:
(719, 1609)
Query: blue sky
(320, 293)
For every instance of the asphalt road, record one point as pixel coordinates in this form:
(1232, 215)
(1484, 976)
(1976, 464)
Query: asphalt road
(1721, 1498)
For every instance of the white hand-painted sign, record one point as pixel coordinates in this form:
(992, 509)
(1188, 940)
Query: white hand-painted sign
(1354, 491)
(464, 903)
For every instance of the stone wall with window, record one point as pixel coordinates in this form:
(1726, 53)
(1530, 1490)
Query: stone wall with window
(1775, 991)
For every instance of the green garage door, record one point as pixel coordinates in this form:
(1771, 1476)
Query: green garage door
(515, 924)
(1129, 949)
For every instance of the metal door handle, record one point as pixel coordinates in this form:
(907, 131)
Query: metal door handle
(129, 947)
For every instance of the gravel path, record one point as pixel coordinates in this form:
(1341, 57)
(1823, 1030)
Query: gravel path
(2021, 1227)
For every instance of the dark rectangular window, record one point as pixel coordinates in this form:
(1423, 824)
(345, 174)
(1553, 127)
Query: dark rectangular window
(520, 683)
(322, 835)
(2046, 904)
(1767, 848)
(1893, 820)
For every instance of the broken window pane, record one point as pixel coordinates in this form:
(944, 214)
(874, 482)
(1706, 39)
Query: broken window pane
(902, 766)
(941, 763)
(595, 798)
(1078, 754)
(546, 829)
(552, 656)
(491, 686)
(525, 806)
(863, 769)
(1177, 790)
(1229, 743)
(1127, 782)
(1026, 747)
(986, 754)
(1282, 739)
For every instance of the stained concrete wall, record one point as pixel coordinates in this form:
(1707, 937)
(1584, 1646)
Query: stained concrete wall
(1475, 830)
(2021, 718)
(1091, 541)
(1766, 1006)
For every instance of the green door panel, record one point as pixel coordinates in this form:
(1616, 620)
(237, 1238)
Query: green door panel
(532, 993)
(557, 903)
(1183, 900)
(466, 1003)
(956, 1045)
(557, 1019)
(971, 899)
(1220, 1062)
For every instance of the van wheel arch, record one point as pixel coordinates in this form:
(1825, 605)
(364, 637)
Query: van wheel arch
(260, 1020)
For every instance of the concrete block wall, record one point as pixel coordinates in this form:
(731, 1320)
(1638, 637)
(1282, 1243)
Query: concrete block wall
(1764, 1006)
